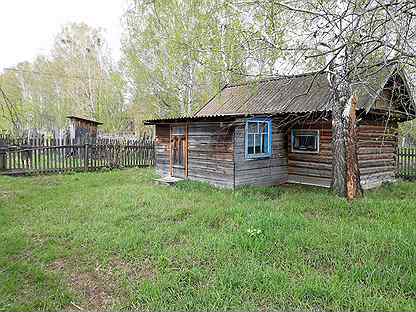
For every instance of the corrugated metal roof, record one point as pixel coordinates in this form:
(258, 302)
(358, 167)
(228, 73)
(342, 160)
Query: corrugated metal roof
(298, 94)
(290, 94)
(191, 118)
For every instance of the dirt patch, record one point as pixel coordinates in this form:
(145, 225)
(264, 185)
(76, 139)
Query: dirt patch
(100, 287)
(142, 270)
(97, 290)
(96, 287)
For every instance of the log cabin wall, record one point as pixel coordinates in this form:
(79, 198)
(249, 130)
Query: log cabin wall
(261, 172)
(377, 145)
(311, 168)
(211, 153)
(216, 154)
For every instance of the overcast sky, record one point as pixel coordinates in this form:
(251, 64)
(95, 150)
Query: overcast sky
(27, 27)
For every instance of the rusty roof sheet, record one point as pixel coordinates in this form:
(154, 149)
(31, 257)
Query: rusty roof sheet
(289, 94)
(182, 119)
(297, 94)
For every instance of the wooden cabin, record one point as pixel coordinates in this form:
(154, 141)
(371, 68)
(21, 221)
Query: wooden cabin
(278, 131)
(83, 129)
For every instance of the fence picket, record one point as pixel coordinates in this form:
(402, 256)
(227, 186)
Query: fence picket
(46, 155)
(407, 163)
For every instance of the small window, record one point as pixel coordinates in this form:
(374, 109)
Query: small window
(305, 141)
(178, 130)
(258, 138)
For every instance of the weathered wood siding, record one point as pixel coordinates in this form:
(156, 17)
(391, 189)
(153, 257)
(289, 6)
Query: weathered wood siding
(309, 168)
(261, 172)
(162, 149)
(210, 157)
(376, 155)
(216, 154)
(377, 145)
(210, 153)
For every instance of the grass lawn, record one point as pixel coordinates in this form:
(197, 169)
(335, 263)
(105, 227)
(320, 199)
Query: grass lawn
(115, 240)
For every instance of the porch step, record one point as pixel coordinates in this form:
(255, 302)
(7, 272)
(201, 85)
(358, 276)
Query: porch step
(168, 180)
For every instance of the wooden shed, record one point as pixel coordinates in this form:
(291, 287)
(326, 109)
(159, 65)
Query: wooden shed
(83, 129)
(279, 130)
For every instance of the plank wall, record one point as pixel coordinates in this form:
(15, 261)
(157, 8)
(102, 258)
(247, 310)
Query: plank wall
(210, 152)
(162, 149)
(310, 168)
(377, 159)
(210, 157)
(261, 172)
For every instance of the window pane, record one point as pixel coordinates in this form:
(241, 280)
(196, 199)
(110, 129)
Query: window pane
(252, 127)
(257, 144)
(250, 143)
(308, 142)
(265, 141)
(180, 152)
(263, 127)
(178, 130)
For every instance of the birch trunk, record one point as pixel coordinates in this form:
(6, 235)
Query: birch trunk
(345, 169)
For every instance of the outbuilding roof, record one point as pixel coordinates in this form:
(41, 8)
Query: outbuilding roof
(84, 119)
(295, 94)
(304, 93)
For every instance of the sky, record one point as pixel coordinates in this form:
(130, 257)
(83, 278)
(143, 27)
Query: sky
(27, 27)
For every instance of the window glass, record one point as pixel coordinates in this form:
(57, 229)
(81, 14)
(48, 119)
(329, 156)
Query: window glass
(252, 127)
(250, 143)
(257, 144)
(178, 130)
(263, 127)
(265, 141)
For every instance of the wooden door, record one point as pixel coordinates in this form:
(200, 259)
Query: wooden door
(178, 151)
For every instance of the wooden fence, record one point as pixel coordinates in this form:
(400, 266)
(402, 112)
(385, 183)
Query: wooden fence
(24, 159)
(407, 163)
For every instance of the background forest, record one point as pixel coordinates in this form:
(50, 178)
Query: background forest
(175, 56)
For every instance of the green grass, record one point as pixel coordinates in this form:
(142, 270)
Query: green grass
(116, 241)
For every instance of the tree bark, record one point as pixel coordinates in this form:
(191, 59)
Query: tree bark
(345, 169)
(354, 188)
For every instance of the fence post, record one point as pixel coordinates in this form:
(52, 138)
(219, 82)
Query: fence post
(86, 157)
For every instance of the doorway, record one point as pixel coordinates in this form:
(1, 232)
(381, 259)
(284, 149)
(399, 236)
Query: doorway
(179, 151)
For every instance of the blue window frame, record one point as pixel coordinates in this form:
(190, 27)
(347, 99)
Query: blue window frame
(258, 138)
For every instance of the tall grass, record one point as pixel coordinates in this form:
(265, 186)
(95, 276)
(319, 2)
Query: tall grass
(116, 240)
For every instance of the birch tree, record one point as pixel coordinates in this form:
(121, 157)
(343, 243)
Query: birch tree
(352, 40)
(78, 77)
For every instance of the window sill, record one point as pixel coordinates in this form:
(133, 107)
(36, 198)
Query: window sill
(259, 157)
(304, 152)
